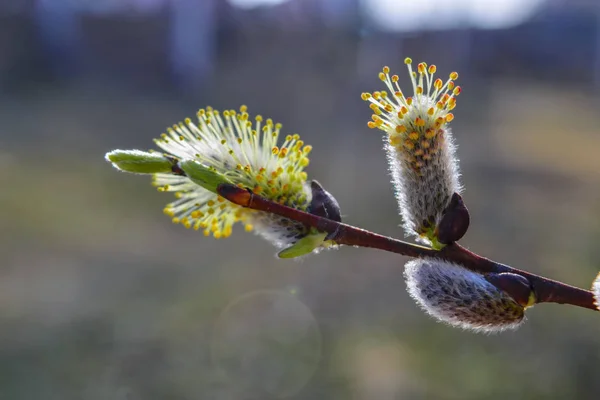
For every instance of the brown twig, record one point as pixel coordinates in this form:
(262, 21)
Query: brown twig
(545, 290)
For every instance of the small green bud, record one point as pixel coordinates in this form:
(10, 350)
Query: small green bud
(303, 246)
(202, 175)
(139, 162)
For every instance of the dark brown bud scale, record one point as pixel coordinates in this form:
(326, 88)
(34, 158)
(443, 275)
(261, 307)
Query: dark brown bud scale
(323, 204)
(455, 221)
(516, 286)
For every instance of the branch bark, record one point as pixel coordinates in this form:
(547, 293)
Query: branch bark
(545, 290)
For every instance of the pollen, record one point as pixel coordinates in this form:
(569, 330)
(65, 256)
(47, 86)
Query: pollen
(246, 151)
(420, 115)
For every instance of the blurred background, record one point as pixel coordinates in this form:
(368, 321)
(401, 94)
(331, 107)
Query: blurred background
(101, 297)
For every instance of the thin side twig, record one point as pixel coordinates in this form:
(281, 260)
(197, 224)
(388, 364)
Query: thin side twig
(546, 290)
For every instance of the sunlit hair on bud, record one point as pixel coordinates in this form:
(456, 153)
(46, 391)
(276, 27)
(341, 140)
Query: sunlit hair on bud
(596, 290)
(461, 298)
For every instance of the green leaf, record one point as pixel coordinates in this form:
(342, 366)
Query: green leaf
(303, 246)
(202, 175)
(139, 162)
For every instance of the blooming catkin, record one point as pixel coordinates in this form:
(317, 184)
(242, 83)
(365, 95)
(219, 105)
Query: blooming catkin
(460, 297)
(419, 145)
(229, 147)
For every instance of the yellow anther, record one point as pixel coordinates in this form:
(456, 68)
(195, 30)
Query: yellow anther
(386, 70)
(365, 96)
(413, 135)
(304, 162)
(248, 228)
(430, 111)
(408, 60)
(243, 108)
(419, 121)
(457, 90)
(307, 149)
(429, 133)
(449, 117)
(395, 140)
(175, 220)
(409, 101)
(258, 118)
(395, 78)
(425, 144)
(371, 125)
(275, 150)
(419, 90)
(400, 128)
(409, 145)
(432, 69)
(382, 76)
(454, 76)
(196, 214)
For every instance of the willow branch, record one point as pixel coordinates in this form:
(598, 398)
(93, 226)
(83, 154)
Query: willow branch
(546, 290)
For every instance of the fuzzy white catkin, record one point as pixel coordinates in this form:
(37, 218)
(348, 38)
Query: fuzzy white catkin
(424, 193)
(461, 298)
(279, 231)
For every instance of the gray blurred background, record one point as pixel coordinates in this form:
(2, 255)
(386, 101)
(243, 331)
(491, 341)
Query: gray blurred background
(101, 297)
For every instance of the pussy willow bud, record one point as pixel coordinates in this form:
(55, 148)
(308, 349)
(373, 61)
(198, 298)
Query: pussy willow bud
(139, 162)
(596, 290)
(419, 146)
(460, 297)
